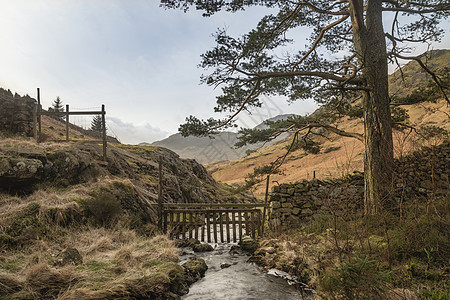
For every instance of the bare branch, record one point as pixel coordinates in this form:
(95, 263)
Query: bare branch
(355, 135)
(357, 12)
(433, 75)
(415, 11)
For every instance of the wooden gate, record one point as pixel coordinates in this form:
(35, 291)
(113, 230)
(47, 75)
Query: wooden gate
(213, 222)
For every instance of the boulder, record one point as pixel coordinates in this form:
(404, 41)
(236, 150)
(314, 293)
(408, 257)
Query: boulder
(194, 269)
(202, 248)
(248, 244)
(70, 256)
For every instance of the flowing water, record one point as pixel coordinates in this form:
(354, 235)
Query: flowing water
(231, 277)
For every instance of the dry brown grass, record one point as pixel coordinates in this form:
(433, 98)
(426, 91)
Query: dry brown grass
(9, 284)
(401, 294)
(112, 260)
(48, 282)
(115, 259)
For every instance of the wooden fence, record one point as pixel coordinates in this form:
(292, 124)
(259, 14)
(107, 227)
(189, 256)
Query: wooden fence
(213, 222)
(38, 112)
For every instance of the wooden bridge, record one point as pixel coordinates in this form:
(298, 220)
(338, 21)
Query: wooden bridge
(213, 222)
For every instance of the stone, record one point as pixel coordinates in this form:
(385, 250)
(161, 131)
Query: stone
(276, 204)
(248, 244)
(225, 265)
(270, 250)
(426, 184)
(287, 205)
(70, 256)
(194, 269)
(307, 211)
(202, 248)
(296, 211)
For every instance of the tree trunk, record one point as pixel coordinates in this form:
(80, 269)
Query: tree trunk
(370, 47)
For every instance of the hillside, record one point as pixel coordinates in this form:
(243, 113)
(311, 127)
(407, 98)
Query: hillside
(339, 155)
(414, 76)
(73, 226)
(16, 115)
(207, 150)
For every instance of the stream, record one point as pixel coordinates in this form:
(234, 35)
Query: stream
(230, 276)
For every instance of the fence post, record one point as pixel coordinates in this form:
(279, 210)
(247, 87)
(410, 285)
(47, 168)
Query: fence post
(265, 202)
(160, 196)
(104, 131)
(67, 122)
(35, 118)
(39, 110)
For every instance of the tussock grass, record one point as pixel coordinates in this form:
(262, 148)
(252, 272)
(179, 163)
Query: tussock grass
(47, 281)
(117, 262)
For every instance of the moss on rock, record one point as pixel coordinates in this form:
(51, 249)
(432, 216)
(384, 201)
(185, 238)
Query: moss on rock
(248, 244)
(194, 269)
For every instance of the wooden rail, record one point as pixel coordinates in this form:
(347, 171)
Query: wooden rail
(213, 222)
(38, 112)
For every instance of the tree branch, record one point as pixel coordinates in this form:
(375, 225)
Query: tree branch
(414, 11)
(255, 87)
(357, 12)
(433, 75)
(316, 42)
(355, 135)
(323, 75)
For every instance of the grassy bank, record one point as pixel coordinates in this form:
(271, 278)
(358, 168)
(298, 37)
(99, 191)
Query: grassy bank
(345, 256)
(83, 242)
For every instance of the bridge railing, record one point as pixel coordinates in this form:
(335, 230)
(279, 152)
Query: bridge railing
(218, 222)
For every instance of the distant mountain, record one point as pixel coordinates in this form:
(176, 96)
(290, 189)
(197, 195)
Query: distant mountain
(206, 150)
(274, 119)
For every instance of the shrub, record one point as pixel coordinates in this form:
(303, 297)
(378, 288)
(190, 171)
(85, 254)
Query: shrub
(357, 278)
(421, 235)
(103, 207)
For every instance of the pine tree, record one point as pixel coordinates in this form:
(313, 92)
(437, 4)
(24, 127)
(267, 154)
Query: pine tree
(57, 105)
(344, 63)
(96, 124)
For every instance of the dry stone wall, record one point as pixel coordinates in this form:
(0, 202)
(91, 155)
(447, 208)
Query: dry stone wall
(421, 174)
(16, 113)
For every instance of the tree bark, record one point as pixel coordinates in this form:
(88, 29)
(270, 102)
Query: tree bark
(370, 47)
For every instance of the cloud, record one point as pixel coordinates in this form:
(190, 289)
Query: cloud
(130, 133)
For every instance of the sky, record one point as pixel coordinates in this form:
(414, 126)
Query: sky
(138, 59)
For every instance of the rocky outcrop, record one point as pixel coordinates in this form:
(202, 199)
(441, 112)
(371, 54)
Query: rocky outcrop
(16, 113)
(22, 170)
